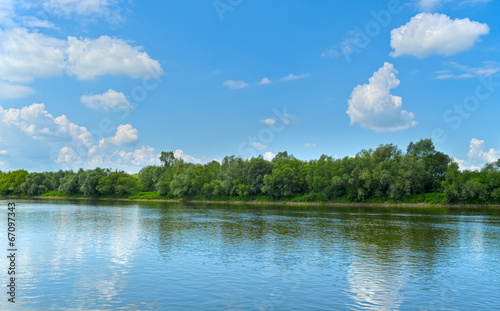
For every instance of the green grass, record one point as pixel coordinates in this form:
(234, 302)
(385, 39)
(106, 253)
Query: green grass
(150, 195)
(54, 193)
(428, 198)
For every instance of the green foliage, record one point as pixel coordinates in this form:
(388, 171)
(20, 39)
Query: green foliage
(53, 193)
(167, 158)
(10, 182)
(149, 195)
(89, 180)
(37, 183)
(69, 183)
(118, 183)
(288, 177)
(383, 174)
(213, 189)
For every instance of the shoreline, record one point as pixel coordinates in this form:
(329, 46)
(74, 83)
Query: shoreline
(285, 203)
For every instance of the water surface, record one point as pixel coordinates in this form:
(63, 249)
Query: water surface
(75, 255)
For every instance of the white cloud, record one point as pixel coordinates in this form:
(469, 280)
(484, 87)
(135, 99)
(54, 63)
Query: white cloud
(464, 165)
(269, 156)
(89, 58)
(140, 157)
(468, 72)
(265, 81)
(67, 143)
(179, 154)
(27, 55)
(9, 91)
(37, 123)
(427, 34)
(126, 134)
(258, 145)
(295, 77)
(4, 152)
(66, 155)
(373, 107)
(110, 100)
(478, 154)
(477, 157)
(309, 145)
(234, 85)
(269, 121)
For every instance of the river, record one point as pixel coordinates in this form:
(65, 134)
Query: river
(105, 255)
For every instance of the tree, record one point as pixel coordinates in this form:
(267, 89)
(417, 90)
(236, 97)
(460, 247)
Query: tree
(36, 184)
(118, 183)
(167, 158)
(287, 179)
(182, 184)
(89, 180)
(69, 183)
(10, 183)
(452, 184)
(257, 169)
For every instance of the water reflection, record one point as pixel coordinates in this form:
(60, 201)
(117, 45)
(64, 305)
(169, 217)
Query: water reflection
(108, 255)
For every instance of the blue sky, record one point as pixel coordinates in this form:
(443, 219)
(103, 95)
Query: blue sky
(113, 83)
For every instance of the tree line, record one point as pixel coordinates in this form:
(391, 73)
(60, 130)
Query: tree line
(384, 173)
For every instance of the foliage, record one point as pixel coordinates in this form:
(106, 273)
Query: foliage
(383, 174)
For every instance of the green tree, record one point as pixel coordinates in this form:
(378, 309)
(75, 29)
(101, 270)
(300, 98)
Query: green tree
(10, 182)
(167, 158)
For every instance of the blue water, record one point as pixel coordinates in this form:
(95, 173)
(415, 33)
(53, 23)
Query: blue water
(172, 256)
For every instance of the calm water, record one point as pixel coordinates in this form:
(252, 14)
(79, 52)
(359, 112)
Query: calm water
(112, 256)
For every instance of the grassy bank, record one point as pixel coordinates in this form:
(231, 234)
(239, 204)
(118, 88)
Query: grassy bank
(421, 200)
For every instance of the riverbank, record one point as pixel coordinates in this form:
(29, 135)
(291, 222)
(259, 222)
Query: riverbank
(254, 202)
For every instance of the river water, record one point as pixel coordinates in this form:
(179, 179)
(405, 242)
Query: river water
(85, 255)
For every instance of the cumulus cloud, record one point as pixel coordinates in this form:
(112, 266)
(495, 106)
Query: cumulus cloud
(269, 156)
(38, 124)
(269, 121)
(69, 144)
(234, 85)
(477, 156)
(146, 155)
(309, 145)
(126, 134)
(427, 34)
(295, 77)
(4, 152)
(179, 154)
(110, 100)
(265, 81)
(26, 55)
(373, 107)
(89, 58)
